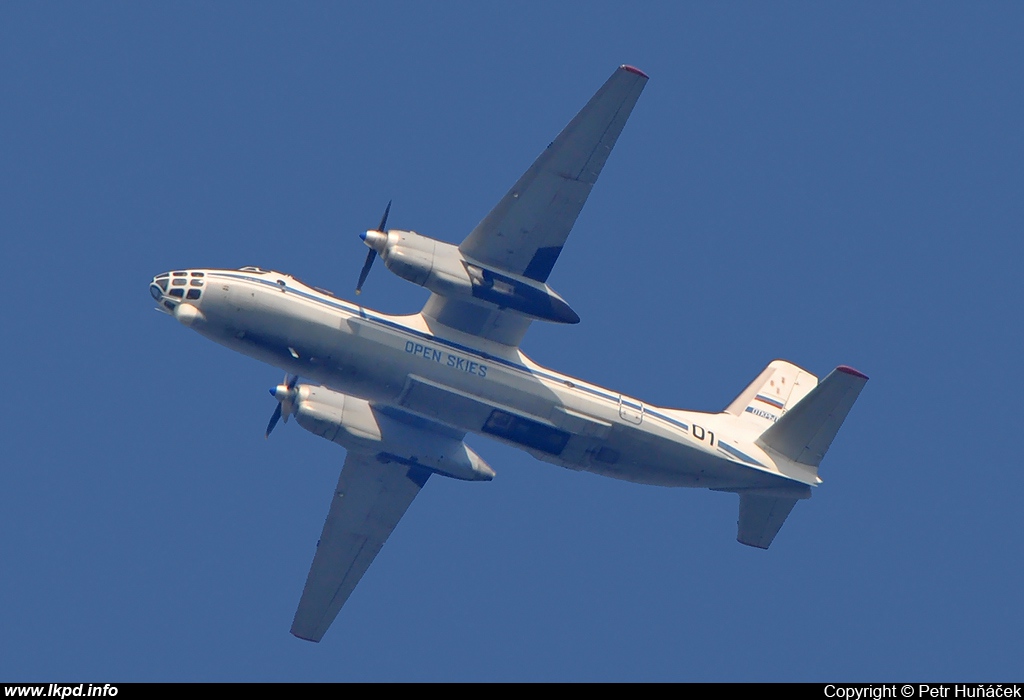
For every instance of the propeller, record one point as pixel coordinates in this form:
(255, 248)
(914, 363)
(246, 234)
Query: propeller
(373, 251)
(285, 394)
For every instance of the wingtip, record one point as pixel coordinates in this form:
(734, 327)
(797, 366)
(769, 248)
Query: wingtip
(846, 369)
(634, 69)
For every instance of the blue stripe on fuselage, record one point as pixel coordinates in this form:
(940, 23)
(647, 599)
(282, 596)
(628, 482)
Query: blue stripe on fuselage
(739, 455)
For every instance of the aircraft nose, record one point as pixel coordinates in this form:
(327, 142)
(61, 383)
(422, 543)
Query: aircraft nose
(172, 289)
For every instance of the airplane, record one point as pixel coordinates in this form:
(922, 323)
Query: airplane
(400, 393)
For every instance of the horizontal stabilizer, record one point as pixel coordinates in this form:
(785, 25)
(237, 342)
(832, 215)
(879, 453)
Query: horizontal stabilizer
(804, 433)
(761, 518)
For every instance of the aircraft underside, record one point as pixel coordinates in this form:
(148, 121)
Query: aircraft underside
(555, 418)
(400, 393)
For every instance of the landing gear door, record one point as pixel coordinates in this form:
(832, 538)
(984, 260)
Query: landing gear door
(631, 410)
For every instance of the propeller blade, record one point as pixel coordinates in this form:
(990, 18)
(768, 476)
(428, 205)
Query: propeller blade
(285, 394)
(373, 253)
(273, 420)
(384, 219)
(366, 268)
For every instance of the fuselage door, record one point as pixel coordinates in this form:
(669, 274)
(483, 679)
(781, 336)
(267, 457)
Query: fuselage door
(631, 410)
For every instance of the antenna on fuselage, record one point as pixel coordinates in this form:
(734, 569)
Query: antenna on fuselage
(373, 251)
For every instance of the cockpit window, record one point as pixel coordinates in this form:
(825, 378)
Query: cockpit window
(196, 283)
(178, 283)
(180, 274)
(177, 292)
(197, 274)
(192, 293)
(162, 282)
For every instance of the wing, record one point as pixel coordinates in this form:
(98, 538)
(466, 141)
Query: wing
(525, 232)
(370, 499)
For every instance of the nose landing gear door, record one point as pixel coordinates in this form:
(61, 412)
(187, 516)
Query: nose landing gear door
(631, 410)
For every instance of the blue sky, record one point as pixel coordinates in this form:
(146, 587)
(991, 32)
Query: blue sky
(831, 184)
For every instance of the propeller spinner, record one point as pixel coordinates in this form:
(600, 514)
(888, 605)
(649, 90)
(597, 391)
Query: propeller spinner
(285, 394)
(370, 240)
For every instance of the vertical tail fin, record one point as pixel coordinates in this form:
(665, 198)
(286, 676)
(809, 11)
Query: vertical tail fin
(804, 433)
(776, 390)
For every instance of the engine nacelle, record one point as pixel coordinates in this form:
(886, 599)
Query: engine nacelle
(443, 269)
(356, 425)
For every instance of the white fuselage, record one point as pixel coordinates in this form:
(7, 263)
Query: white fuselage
(473, 385)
